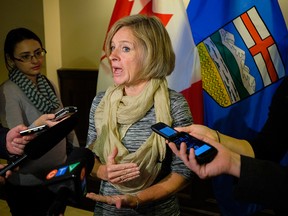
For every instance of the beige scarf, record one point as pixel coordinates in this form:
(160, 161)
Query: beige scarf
(113, 117)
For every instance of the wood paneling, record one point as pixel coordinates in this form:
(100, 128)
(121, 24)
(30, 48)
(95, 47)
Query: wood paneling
(78, 88)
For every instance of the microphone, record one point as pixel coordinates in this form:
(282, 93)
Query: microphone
(72, 174)
(43, 143)
(67, 181)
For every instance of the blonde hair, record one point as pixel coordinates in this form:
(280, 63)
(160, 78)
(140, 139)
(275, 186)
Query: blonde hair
(159, 57)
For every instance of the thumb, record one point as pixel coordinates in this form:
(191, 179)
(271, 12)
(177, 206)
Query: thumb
(112, 156)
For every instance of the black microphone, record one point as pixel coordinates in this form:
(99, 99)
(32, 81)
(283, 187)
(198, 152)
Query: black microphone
(67, 181)
(72, 174)
(43, 143)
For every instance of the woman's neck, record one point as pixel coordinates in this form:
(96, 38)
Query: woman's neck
(135, 89)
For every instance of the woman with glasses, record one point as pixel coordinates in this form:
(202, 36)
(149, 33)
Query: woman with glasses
(25, 98)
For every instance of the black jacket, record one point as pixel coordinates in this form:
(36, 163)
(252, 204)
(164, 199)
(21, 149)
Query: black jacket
(264, 180)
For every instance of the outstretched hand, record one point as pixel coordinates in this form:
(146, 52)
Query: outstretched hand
(118, 200)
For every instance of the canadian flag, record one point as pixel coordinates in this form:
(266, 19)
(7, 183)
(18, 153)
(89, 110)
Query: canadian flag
(186, 77)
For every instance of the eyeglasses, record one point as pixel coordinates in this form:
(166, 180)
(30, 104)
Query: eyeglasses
(28, 58)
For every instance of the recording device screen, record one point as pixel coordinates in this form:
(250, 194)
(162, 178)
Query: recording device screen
(203, 151)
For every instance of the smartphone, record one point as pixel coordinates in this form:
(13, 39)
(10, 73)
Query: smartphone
(33, 130)
(64, 112)
(204, 152)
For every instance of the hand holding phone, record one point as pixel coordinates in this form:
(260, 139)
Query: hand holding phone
(33, 130)
(204, 152)
(65, 112)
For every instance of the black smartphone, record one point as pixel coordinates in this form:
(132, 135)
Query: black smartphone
(64, 112)
(204, 152)
(33, 130)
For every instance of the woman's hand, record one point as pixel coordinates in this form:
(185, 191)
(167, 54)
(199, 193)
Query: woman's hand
(199, 129)
(119, 173)
(46, 119)
(119, 201)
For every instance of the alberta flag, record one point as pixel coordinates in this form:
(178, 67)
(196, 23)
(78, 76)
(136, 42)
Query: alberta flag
(242, 47)
(230, 58)
(243, 53)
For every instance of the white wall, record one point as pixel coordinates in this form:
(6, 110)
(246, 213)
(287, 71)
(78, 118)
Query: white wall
(15, 13)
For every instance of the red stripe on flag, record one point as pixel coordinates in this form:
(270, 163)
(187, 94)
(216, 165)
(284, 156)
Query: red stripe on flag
(122, 8)
(194, 98)
(261, 46)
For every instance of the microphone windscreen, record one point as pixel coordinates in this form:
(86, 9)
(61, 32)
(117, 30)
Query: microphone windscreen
(83, 154)
(78, 158)
(45, 141)
(26, 179)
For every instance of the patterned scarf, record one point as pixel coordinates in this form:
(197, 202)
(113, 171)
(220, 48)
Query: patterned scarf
(113, 117)
(42, 95)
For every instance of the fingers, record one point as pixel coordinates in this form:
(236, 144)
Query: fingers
(184, 129)
(173, 148)
(46, 119)
(51, 123)
(104, 199)
(120, 173)
(117, 200)
(96, 197)
(178, 152)
(128, 175)
(17, 149)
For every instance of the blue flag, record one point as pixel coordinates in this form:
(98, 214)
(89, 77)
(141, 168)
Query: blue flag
(242, 47)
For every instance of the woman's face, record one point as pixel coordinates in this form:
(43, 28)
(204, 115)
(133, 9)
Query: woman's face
(25, 49)
(126, 58)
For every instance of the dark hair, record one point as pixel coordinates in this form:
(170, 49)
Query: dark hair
(14, 37)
